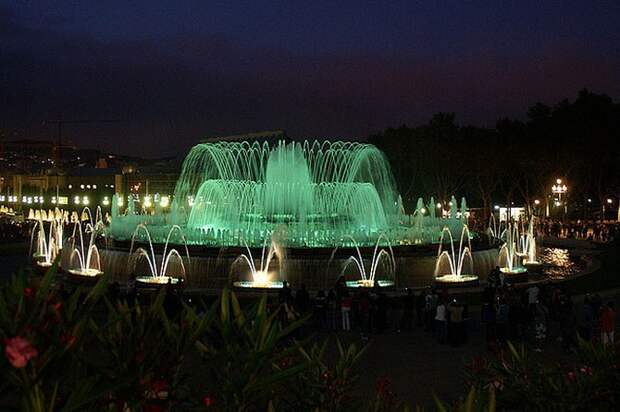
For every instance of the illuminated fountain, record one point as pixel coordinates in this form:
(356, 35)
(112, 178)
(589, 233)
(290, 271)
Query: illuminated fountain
(368, 278)
(261, 278)
(449, 265)
(321, 191)
(495, 230)
(45, 247)
(508, 260)
(528, 246)
(171, 267)
(231, 196)
(88, 260)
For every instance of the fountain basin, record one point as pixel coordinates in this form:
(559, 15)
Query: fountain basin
(534, 264)
(250, 284)
(84, 276)
(85, 272)
(451, 280)
(367, 283)
(155, 281)
(515, 275)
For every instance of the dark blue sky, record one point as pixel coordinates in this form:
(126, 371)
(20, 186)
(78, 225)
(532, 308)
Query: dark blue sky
(178, 71)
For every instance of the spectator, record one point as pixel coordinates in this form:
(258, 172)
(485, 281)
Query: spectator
(441, 325)
(608, 323)
(345, 309)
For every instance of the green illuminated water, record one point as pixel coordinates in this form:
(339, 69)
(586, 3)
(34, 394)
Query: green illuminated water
(312, 194)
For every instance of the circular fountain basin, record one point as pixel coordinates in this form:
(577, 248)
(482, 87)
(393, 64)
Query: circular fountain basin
(44, 264)
(84, 276)
(534, 264)
(361, 283)
(515, 275)
(456, 280)
(154, 281)
(250, 284)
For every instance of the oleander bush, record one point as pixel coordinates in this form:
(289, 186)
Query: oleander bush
(87, 350)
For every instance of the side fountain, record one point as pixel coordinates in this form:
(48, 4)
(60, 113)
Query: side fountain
(261, 278)
(88, 264)
(46, 246)
(368, 279)
(171, 268)
(509, 261)
(449, 266)
(528, 246)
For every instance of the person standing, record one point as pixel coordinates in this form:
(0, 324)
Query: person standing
(608, 323)
(345, 310)
(441, 325)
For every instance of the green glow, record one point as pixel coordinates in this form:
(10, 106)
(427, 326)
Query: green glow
(318, 190)
(310, 194)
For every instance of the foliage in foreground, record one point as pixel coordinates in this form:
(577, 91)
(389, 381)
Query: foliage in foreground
(84, 351)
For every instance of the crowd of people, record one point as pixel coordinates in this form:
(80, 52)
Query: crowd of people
(539, 315)
(545, 313)
(373, 311)
(593, 230)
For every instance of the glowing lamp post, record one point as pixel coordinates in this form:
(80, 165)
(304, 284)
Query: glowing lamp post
(559, 189)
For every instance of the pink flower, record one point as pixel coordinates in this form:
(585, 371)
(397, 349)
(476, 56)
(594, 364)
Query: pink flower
(19, 351)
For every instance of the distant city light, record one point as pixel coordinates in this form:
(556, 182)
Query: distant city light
(147, 201)
(589, 200)
(438, 205)
(85, 200)
(496, 207)
(609, 201)
(536, 202)
(164, 201)
(106, 201)
(76, 200)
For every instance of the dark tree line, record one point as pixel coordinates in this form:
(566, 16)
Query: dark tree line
(517, 161)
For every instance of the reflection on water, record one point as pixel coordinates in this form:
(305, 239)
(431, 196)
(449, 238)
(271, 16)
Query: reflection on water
(559, 263)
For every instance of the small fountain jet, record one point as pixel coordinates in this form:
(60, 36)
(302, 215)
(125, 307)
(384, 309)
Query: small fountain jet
(170, 259)
(449, 265)
(261, 277)
(368, 279)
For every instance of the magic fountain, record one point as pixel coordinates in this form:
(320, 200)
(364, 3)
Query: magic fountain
(231, 196)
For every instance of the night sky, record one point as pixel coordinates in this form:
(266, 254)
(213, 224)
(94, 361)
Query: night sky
(174, 72)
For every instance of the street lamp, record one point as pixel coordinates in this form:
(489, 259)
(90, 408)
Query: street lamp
(559, 189)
